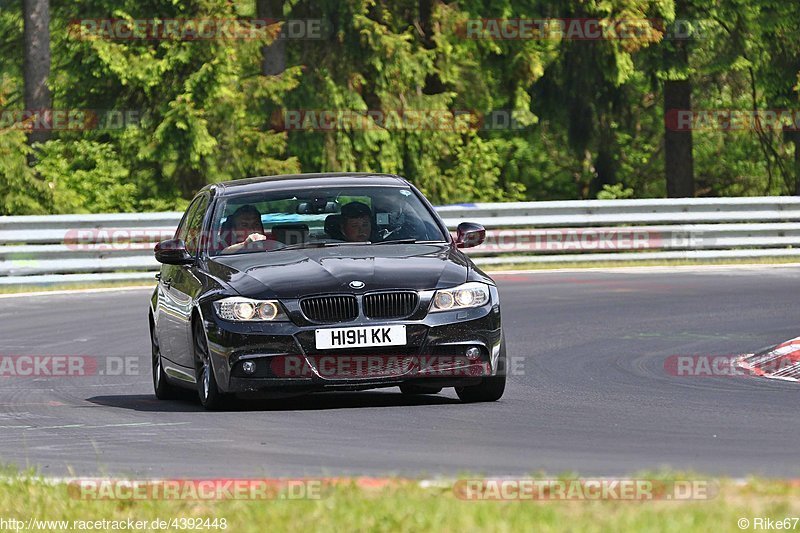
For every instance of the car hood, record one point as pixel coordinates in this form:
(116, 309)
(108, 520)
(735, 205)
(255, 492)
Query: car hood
(296, 273)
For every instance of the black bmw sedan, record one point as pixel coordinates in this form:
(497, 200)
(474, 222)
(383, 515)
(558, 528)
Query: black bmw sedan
(293, 284)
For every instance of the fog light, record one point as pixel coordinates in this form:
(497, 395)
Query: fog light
(473, 353)
(249, 367)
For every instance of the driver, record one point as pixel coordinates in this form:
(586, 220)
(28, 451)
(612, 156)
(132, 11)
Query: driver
(246, 227)
(356, 224)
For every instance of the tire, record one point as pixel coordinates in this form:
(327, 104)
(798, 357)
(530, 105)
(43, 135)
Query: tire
(163, 389)
(208, 392)
(491, 388)
(408, 388)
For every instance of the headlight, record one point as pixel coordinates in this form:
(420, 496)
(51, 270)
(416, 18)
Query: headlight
(464, 296)
(245, 309)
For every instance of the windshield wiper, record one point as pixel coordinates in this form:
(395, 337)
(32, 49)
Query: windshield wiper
(408, 241)
(300, 245)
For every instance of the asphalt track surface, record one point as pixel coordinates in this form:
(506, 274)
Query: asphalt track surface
(589, 394)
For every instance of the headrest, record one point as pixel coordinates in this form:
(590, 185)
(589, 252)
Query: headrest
(290, 233)
(333, 226)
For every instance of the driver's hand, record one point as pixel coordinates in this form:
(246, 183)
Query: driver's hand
(253, 237)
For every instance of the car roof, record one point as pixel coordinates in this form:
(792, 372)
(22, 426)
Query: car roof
(294, 181)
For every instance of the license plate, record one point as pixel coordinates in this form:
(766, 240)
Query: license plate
(358, 337)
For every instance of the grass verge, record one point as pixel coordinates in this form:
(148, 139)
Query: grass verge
(404, 505)
(16, 289)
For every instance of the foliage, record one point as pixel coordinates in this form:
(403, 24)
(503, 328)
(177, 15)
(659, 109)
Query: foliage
(615, 192)
(507, 119)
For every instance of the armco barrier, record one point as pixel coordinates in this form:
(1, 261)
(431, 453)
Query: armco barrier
(65, 249)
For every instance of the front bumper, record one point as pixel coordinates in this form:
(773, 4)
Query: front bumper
(286, 359)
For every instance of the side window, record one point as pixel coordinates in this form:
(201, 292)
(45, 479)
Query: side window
(183, 226)
(194, 226)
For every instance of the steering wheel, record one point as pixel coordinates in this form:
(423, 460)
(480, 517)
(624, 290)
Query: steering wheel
(261, 246)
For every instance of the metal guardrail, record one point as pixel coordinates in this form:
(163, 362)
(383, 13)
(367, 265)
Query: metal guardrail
(65, 249)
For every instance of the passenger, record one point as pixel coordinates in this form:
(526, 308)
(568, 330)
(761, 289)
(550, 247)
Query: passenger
(356, 224)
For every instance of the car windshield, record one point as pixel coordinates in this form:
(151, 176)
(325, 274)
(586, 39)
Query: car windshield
(318, 217)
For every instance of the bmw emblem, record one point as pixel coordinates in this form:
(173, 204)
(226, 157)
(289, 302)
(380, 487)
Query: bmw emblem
(356, 284)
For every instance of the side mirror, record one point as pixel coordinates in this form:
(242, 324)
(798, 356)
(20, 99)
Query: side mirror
(469, 235)
(173, 252)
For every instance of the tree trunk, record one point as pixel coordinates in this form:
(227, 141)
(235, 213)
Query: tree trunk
(433, 84)
(794, 136)
(678, 161)
(273, 56)
(605, 165)
(36, 61)
(679, 164)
